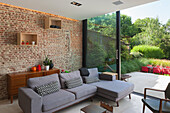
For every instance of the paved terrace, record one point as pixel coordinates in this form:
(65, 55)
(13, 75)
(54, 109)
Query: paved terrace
(149, 80)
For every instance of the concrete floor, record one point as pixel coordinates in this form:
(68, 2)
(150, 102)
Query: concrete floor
(149, 80)
(126, 106)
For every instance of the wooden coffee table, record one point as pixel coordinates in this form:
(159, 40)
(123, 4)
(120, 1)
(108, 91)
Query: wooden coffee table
(92, 108)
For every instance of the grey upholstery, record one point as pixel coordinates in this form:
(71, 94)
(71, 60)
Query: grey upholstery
(153, 104)
(57, 99)
(167, 92)
(68, 76)
(93, 72)
(29, 100)
(38, 81)
(83, 90)
(114, 88)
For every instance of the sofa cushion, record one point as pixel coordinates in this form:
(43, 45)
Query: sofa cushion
(48, 88)
(68, 76)
(57, 99)
(89, 80)
(93, 72)
(114, 88)
(84, 72)
(73, 83)
(37, 81)
(83, 90)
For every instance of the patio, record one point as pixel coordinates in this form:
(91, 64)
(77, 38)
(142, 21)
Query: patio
(149, 80)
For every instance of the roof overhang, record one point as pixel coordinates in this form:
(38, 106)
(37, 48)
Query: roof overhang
(88, 9)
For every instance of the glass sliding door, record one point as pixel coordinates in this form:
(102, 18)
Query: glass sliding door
(101, 42)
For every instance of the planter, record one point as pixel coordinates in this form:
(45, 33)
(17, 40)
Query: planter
(47, 68)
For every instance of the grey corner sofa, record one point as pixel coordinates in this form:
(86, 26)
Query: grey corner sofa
(31, 102)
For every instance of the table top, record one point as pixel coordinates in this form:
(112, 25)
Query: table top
(92, 108)
(109, 73)
(125, 76)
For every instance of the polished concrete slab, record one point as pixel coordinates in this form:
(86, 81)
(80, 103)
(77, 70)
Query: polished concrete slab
(126, 105)
(143, 80)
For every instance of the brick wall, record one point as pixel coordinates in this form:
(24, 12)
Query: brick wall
(66, 53)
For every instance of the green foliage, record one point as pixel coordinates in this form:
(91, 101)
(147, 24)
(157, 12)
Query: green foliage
(127, 28)
(152, 32)
(125, 53)
(163, 63)
(149, 51)
(96, 55)
(136, 64)
(46, 62)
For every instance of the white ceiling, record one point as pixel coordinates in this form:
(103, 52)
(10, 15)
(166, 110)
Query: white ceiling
(88, 9)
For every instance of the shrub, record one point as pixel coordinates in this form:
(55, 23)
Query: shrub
(149, 51)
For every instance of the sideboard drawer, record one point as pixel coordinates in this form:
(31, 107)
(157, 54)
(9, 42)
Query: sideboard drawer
(18, 81)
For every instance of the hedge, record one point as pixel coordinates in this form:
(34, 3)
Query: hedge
(136, 64)
(149, 51)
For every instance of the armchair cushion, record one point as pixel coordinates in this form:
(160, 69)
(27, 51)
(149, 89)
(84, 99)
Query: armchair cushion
(153, 104)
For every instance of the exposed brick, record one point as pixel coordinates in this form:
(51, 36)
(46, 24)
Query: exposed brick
(65, 53)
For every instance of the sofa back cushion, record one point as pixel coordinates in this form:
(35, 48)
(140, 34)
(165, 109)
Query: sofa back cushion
(89, 80)
(69, 76)
(84, 72)
(48, 88)
(73, 83)
(93, 72)
(38, 81)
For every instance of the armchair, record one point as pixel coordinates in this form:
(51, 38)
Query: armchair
(158, 105)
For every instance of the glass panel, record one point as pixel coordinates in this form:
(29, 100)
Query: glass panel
(101, 42)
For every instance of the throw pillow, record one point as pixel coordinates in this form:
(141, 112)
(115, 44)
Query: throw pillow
(48, 88)
(72, 83)
(84, 72)
(89, 80)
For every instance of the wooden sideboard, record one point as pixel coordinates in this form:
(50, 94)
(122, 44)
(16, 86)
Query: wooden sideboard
(17, 80)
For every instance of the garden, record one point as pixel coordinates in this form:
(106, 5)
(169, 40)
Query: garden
(144, 42)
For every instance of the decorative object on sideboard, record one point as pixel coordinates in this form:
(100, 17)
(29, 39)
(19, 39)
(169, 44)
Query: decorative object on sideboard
(48, 63)
(51, 64)
(39, 68)
(34, 69)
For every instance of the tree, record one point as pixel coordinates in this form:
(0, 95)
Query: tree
(151, 32)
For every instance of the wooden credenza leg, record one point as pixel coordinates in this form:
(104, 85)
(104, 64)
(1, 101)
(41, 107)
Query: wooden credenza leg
(11, 99)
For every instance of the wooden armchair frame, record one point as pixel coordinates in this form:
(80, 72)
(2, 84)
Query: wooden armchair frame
(160, 105)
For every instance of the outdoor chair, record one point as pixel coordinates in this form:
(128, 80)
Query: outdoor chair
(145, 69)
(157, 105)
(157, 70)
